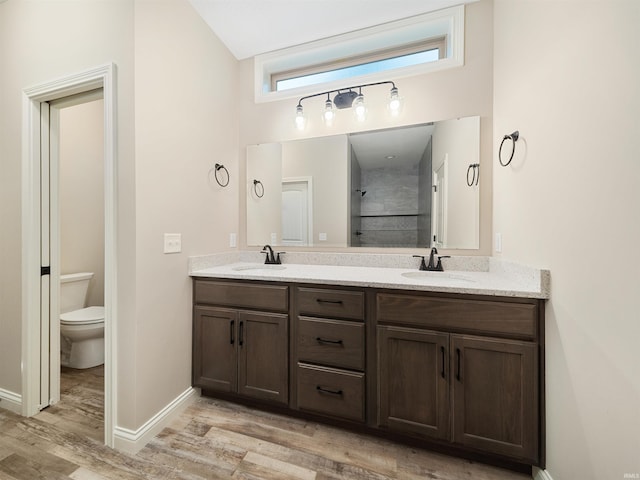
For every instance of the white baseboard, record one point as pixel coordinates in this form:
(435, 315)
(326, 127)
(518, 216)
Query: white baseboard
(131, 441)
(11, 401)
(539, 474)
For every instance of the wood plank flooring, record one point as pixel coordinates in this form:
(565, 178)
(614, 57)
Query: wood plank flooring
(212, 439)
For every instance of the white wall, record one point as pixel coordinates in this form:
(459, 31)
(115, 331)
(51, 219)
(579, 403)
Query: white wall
(566, 76)
(81, 188)
(458, 92)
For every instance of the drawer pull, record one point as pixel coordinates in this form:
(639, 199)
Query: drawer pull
(330, 342)
(241, 339)
(442, 354)
(232, 325)
(328, 390)
(335, 302)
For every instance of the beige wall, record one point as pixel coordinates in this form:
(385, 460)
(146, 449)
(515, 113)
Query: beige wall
(186, 121)
(264, 215)
(455, 140)
(458, 92)
(42, 41)
(567, 76)
(182, 122)
(327, 166)
(82, 194)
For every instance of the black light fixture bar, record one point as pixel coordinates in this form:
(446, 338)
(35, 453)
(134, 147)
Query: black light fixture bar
(345, 96)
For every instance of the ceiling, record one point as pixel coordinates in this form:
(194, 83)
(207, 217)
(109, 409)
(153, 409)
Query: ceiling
(406, 145)
(252, 27)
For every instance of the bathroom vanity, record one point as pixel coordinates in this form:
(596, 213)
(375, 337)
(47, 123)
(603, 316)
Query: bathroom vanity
(454, 363)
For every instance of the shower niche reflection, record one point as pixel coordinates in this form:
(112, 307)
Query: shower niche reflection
(398, 187)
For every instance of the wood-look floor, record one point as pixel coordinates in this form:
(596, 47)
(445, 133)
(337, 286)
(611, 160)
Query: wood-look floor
(212, 439)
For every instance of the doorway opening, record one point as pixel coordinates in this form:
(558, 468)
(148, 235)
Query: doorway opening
(76, 158)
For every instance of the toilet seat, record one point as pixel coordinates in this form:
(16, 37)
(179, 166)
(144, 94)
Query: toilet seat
(84, 316)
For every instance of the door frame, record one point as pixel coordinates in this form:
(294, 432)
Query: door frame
(439, 203)
(104, 77)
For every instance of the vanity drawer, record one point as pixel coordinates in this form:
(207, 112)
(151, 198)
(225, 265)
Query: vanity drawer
(329, 391)
(489, 317)
(244, 295)
(331, 303)
(331, 342)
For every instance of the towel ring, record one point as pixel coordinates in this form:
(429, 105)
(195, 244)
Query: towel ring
(514, 138)
(221, 167)
(474, 168)
(255, 188)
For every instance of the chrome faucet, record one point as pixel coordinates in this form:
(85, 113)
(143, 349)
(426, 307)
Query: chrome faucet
(433, 265)
(272, 258)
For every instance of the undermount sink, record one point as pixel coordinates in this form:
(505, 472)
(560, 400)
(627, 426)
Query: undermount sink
(433, 277)
(259, 266)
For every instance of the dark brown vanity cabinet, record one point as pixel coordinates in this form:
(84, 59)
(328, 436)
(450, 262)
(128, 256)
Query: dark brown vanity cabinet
(329, 346)
(461, 370)
(240, 350)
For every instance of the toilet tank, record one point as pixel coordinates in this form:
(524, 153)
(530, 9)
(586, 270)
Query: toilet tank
(73, 291)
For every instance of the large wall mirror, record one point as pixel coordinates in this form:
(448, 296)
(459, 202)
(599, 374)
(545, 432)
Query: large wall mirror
(411, 186)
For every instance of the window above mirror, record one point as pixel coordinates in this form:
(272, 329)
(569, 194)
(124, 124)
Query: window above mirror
(401, 48)
(412, 55)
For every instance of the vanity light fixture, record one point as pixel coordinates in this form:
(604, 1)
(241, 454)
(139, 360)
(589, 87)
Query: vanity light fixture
(359, 108)
(395, 102)
(347, 98)
(329, 113)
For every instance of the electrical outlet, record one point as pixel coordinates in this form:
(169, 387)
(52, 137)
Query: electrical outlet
(233, 241)
(498, 243)
(274, 239)
(172, 242)
(322, 237)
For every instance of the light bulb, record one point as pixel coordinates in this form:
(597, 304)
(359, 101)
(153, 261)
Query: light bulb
(329, 113)
(360, 108)
(394, 102)
(300, 120)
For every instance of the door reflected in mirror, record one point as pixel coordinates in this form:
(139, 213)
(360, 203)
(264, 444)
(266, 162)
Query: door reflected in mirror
(398, 187)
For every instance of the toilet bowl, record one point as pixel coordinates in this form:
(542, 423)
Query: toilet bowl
(81, 328)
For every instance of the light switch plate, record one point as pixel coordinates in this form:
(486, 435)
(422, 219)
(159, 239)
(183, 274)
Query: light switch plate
(322, 237)
(172, 242)
(233, 240)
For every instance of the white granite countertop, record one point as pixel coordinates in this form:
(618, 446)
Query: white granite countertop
(471, 275)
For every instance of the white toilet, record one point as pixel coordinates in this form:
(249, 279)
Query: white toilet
(81, 328)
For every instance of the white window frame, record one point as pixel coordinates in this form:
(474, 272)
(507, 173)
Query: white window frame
(448, 22)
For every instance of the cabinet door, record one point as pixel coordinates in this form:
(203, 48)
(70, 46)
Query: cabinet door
(263, 356)
(413, 381)
(214, 349)
(495, 395)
